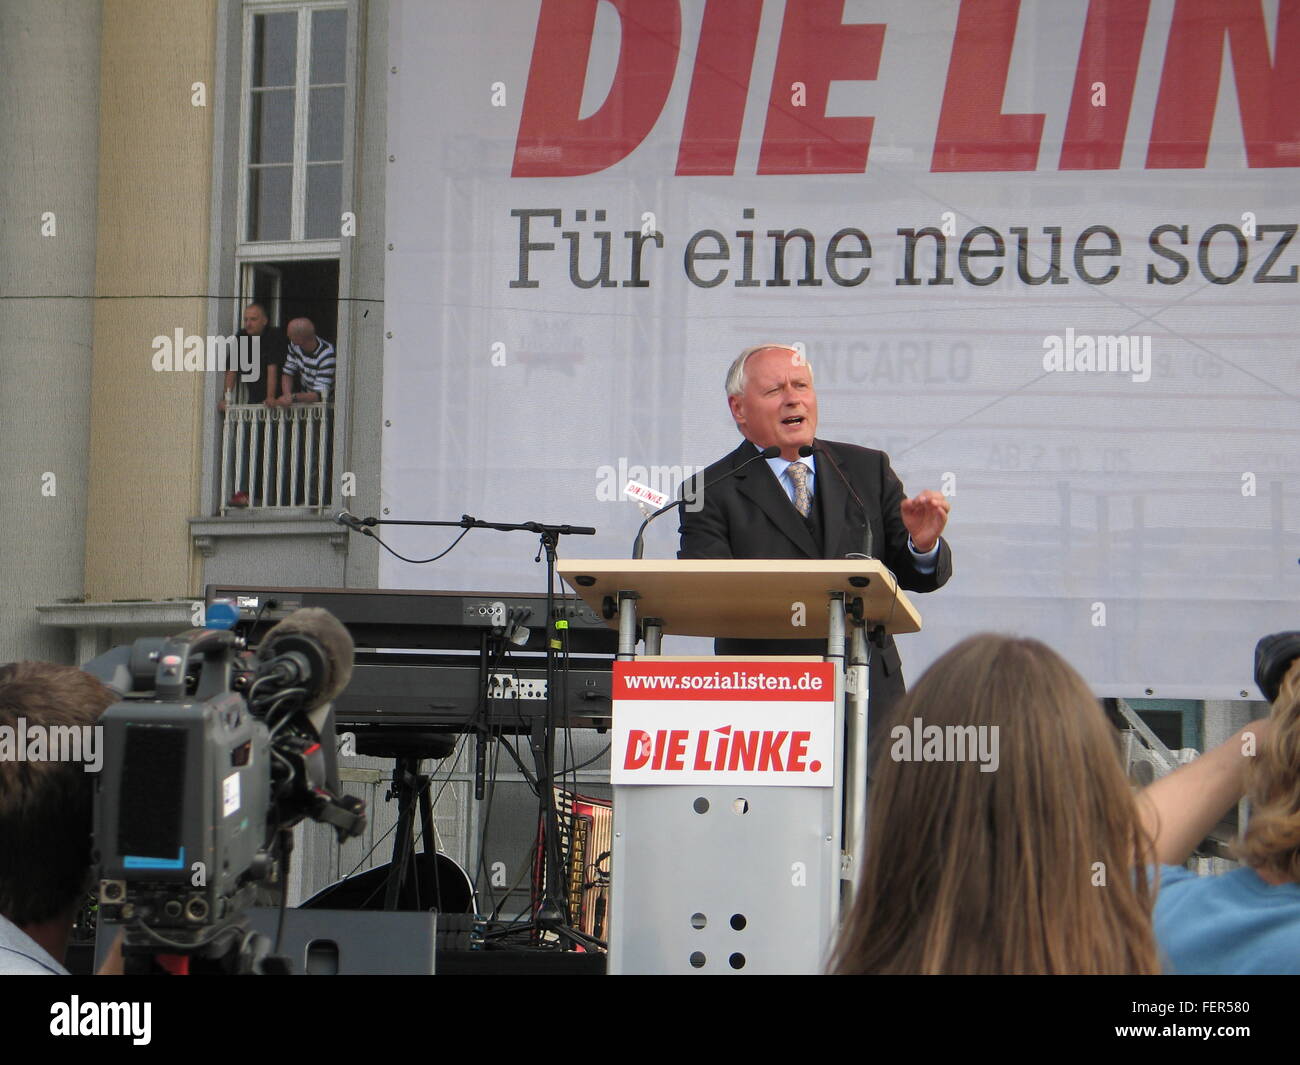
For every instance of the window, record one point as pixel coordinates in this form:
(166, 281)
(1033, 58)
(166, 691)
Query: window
(292, 147)
(296, 101)
(293, 155)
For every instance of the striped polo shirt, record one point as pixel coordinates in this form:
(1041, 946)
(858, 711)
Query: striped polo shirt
(315, 372)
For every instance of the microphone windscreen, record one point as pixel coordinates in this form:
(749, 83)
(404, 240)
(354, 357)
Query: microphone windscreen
(327, 631)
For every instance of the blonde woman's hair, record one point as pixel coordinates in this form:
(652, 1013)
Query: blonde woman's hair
(1272, 838)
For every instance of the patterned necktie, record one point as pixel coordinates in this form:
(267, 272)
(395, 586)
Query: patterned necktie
(798, 474)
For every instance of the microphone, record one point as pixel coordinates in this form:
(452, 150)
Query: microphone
(807, 450)
(352, 522)
(309, 649)
(638, 545)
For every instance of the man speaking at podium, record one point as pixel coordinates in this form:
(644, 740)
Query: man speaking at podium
(838, 501)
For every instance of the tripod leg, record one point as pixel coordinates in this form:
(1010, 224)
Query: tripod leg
(404, 844)
(430, 841)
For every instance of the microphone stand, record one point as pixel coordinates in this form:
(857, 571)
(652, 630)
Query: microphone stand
(638, 545)
(550, 912)
(468, 522)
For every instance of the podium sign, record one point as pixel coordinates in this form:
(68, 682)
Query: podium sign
(723, 776)
(718, 722)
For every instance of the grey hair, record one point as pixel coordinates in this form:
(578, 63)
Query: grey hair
(736, 373)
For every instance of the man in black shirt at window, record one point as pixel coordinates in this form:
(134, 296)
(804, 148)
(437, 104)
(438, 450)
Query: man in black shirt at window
(271, 350)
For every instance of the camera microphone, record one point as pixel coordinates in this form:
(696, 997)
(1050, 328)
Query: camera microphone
(309, 649)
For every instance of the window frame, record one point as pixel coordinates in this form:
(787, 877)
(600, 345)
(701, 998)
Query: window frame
(297, 245)
(234, 258)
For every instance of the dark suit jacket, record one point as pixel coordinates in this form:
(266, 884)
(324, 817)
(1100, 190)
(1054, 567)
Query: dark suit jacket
(749, 515)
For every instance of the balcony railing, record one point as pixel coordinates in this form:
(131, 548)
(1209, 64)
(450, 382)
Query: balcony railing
(276, 458)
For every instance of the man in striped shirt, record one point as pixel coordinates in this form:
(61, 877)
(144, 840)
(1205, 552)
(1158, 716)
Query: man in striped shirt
(308, 377)
(309, 367)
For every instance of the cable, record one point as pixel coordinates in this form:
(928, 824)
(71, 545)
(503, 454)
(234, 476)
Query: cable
(180, 947)
(568, 733)
(419, 561)
(266, 708)
(284, 888)
(594, 758)
(529, 779)
(523, 872)
(252, 628)
(503, 651)
(526, 863)
(480, 867)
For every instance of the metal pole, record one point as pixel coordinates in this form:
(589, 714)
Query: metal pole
(627, 626)
(855, 756)
(835, 654)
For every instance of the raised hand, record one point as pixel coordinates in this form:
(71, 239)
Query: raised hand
(925, 515)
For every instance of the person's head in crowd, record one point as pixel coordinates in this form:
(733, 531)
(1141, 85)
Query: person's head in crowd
(1037, 866)
(302, 332)
(46, 806)
(255, 319)
(1271, 842)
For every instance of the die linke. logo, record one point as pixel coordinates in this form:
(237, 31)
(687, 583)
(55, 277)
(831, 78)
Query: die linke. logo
(758, 750)
(724, 722)
(816, 47)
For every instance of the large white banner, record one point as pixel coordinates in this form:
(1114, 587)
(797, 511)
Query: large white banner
(1041, 254)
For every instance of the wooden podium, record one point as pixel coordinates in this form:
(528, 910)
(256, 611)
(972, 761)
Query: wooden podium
(691, 892)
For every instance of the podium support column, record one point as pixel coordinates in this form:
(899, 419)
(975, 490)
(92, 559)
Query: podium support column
(652, 630)
(856, 701)
(627, 626)
(835, 647)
